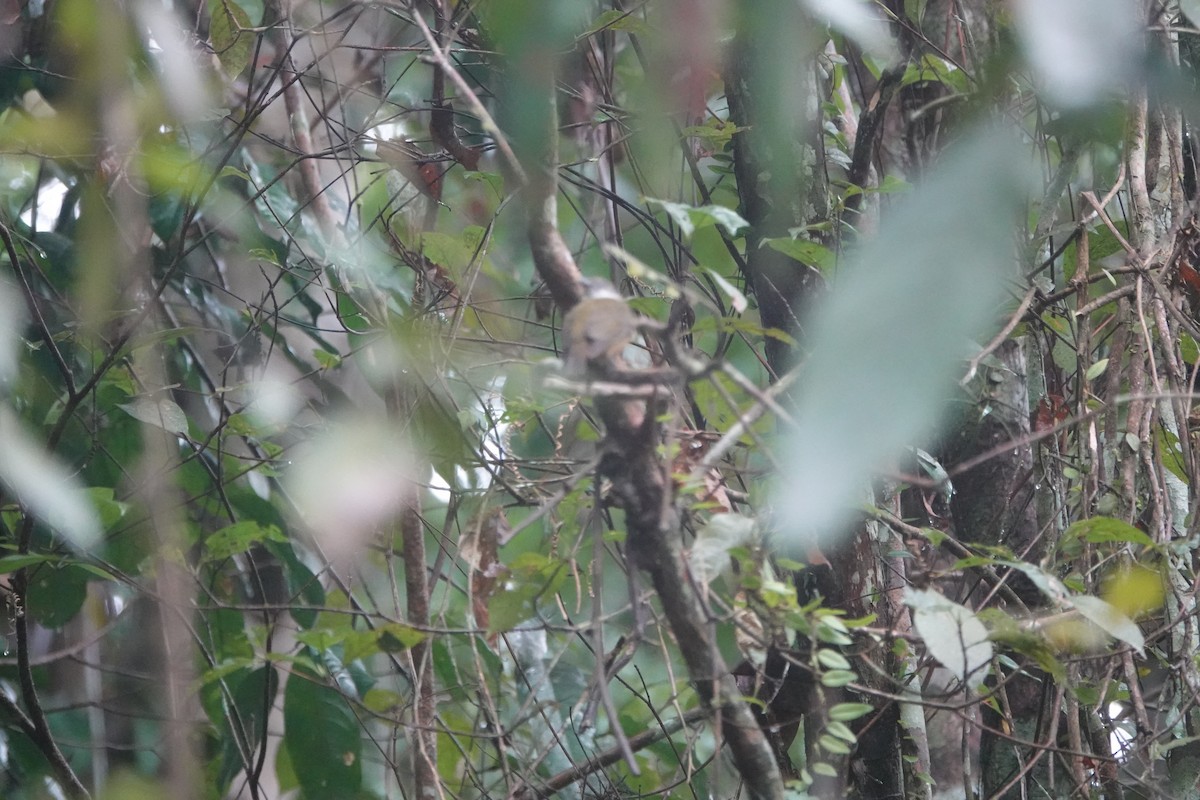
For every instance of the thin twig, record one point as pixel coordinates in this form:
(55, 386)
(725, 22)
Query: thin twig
(468, 94)
(1013, 321)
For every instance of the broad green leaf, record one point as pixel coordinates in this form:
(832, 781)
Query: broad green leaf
(326, 359)
(161, 412)
(689, 218)
(322, 738)
(15, 562)
(715, 133)
(391, 637)
(231, 39)
(56, 593)
(805, 251)
(1187, 345)
(108, 508)
(1097, 369)
(381, 701)
(238, 538)
(952, 634)
(935, 68)
(238, 710)
(1098, 530)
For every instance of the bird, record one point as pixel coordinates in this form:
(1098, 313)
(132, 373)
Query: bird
(597, 328)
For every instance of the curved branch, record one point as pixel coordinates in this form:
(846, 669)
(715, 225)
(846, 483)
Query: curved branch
(643, 483)
(39, 727)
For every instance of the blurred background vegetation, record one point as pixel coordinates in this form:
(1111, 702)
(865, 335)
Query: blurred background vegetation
(894, 496)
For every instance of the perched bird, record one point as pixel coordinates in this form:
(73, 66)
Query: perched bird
(597, 328)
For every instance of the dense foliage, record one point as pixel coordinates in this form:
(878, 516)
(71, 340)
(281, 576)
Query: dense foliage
(893, 494)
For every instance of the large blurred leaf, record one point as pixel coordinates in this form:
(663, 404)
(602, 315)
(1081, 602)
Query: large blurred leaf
(888, 341)
(12, 319)
(322, 738)
(1079, 48)
(44, 486)
(861, 21)
(709, 556)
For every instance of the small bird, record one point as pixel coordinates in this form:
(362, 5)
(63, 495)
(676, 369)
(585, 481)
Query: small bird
(597, 328)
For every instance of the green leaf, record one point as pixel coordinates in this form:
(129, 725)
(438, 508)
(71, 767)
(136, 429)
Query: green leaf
(1097, 369)
(736, 298)
(1188, 348)
(832, 659)
(847, 712)
(391, 637)
(841, 731)
(1098, 530)
(837, 677)
(805, 251)
(238, 538)
(108, 508)
(381, 701)
(166, 214)
(833, 745)
(231, 39)
(238, 711)
(322, 738)
(689, 218)
(953, 635)
(934, 69)
(326, 359)
(13, 563)
(532, 576)
(714, 133)
(1170, 454)
(162, 413)
(56, 594)
(303, 586)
